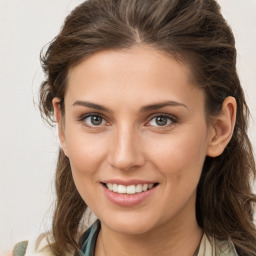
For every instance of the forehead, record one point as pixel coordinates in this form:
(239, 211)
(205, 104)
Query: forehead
(136, 75)
(139, 59)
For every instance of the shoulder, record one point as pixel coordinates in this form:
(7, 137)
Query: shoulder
(20, 248)
(32, 247)
(39, 246)
(211, 246)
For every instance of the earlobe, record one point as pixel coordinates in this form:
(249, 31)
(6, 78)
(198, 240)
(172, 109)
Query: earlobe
(222, 127)
(58, 117)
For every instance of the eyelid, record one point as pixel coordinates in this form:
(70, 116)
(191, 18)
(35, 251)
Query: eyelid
(84, 116)
(173, 119)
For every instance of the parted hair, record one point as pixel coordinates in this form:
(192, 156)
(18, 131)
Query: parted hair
(193, 32)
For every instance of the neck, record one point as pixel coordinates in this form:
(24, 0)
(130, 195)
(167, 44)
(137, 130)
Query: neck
(179, 237)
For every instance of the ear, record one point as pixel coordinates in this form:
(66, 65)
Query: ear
(60, 122)
(222, 127)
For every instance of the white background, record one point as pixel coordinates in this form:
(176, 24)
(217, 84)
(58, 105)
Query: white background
(27, 146)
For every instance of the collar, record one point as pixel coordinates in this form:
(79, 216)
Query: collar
(208, 245)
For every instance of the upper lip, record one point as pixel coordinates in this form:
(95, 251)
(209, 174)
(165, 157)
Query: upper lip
(127, 182)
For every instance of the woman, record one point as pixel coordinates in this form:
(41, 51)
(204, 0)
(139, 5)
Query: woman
(152, 122)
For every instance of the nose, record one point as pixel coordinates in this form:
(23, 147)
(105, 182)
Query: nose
(126, 151)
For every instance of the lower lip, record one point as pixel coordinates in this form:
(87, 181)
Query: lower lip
(127, 200)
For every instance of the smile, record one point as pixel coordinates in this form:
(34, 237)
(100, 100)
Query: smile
(130, 194)
(130, 190)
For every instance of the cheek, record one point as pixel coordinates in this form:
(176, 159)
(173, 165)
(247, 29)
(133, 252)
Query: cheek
(86, 153)
(180, 155)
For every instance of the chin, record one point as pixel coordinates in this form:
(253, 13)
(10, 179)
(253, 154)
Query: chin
(130, 225)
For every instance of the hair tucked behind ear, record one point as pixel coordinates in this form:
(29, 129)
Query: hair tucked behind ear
(192, 31)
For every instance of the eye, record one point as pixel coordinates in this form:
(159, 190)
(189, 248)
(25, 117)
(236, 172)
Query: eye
(162, 120)
(94, 120)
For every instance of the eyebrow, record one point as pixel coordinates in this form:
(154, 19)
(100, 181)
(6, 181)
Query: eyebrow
(91, 105)
(143, 109)
(162, 105)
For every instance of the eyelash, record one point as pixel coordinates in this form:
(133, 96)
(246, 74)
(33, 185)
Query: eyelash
(84, 117)
(172, 120)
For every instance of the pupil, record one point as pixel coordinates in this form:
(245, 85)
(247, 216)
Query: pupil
(96, 120)
(161, 120)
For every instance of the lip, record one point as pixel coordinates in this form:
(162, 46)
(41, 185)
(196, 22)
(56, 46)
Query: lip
(126, 200)
(128, 182)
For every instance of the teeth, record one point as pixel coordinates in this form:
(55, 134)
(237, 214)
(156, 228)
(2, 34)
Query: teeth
(145, 187)
(121, 189)
(115, 188)
(130, 190)
(110, 186)
(138, 188)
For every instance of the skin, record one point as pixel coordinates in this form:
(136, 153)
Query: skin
(130, 144)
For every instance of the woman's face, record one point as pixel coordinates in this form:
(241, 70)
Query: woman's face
(133, 120)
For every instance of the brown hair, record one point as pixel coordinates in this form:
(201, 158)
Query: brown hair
(193, 31)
